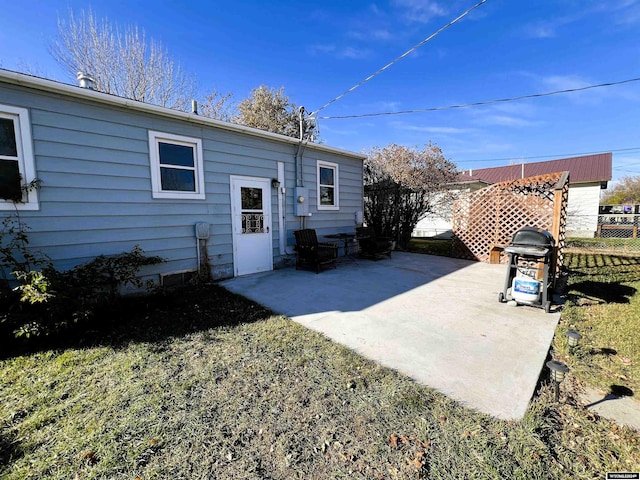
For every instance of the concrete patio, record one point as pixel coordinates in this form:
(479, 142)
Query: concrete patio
(435, 319)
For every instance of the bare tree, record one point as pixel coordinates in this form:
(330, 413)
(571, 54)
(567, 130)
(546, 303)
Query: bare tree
(626, 190)
(269, 109)
(32, 69)
(219, 106)
(402, 185)
(121, 62)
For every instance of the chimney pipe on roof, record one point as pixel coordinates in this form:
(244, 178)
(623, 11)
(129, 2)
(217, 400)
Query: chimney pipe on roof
(85, 80)
(470, 172)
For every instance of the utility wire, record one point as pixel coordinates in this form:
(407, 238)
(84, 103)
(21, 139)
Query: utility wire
(557, 155)
(412, 49)
(488, 102)
(634, 164)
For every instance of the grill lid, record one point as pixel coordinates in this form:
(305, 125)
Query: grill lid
(532, 236)
(528, 250)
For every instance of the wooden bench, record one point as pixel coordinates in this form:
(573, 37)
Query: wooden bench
(494, 253)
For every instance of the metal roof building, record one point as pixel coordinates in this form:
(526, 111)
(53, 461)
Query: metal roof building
(582, 169)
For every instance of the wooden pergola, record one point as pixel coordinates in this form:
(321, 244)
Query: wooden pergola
(485, 221)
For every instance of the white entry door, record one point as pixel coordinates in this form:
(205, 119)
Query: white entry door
(251, 223)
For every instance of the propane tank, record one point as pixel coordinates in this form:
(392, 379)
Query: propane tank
(525, 289)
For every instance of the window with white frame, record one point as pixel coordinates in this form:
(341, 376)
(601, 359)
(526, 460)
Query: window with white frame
(17, 163)
(176, 166)
(328, 193)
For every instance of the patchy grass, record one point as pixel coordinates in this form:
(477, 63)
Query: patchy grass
(631, 245)
(431, 246)
(205, 384)
(604, 306)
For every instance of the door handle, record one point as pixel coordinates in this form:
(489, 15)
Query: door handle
(267, 229)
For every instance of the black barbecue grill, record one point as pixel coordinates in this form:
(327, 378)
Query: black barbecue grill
(531, 268)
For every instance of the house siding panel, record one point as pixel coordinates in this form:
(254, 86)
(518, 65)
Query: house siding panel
(93, 160)
(350, 190)
(582, 214)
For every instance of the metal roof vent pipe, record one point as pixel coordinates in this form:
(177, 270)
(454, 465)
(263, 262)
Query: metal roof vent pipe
(85, 80)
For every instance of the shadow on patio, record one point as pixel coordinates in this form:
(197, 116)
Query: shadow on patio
(435, 319)
(353, 286)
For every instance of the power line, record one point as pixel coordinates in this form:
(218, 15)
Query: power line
(558, 155)
(412, 49)
(487, 102)
(629, 164)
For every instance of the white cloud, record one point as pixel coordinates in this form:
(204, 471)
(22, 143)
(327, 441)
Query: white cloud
(321, 48)
(353, 53)
(338, 52)
(621, 12)
(569, 82)
(368, 34)
(375, 9)
(506, 121)
(521, 108)
(381, 34)
(512, 114)
(337, 131)
(480, 149)
(420, 11)
(484, 146)
(591, 96)
(549, 28)
(381, 106)
(438, 130)
(540, 31)
(564, 82)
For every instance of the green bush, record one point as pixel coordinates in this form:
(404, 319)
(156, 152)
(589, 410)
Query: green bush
(47, 301)
(15, 254)
(99, 281)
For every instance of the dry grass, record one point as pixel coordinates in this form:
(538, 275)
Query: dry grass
(604, 306)
(431, 246)
(205, 384)
(614, 245)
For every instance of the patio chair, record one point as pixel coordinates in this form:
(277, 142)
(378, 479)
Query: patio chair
(372, 246)
(310, 252)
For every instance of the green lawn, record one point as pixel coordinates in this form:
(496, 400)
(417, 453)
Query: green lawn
(431, 246)
(630, 245)
(604, 306)
(205, 384)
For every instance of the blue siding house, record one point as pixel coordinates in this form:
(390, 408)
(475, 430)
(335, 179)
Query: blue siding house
(198, 192)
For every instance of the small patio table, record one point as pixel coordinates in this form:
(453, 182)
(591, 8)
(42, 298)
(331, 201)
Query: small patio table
(345, 237)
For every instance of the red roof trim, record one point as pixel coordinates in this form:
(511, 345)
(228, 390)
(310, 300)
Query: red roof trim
(583, 169)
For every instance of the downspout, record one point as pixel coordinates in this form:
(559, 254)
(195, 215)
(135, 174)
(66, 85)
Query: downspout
(282, 206)
(284, 221)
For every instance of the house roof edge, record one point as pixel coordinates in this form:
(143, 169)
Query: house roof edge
(47, 85)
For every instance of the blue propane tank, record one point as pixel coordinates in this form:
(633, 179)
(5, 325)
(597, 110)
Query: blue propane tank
(525, 290)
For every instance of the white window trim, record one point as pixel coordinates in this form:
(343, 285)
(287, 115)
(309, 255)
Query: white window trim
(156, 184)
(336, 187)
(26, 159)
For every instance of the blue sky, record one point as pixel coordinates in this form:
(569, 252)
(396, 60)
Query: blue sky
(317, 50)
